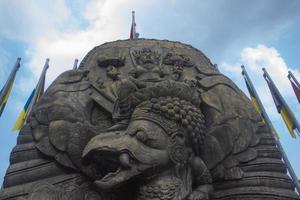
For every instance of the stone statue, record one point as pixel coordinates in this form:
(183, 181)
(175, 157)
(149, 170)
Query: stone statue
(145, 120)
(147, 65)
(161, 146)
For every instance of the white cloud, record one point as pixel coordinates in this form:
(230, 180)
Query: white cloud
(53, 31)
(254, 59)
(269, 57)
(25, 85)
(53, 28)
(3, 66)
(26, 20)
(106, 23)
(231, 68)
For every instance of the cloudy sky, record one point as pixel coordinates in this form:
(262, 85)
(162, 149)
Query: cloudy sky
(257, 33)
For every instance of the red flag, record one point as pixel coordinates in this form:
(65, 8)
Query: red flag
(296, 90)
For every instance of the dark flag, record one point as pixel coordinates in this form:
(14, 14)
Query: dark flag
(286, 114)
(268, 122)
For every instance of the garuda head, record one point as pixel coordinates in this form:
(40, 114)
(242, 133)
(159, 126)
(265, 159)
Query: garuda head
(164, 132)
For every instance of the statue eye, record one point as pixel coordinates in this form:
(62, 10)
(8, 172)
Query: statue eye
(141, 135)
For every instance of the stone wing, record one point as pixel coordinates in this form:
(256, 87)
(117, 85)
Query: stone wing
(61, 122)
(232, 126)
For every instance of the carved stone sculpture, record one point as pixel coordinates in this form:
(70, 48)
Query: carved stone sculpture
(145, 120)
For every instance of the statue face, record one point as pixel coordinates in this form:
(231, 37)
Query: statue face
(123, 156)
(148, 133)
(147, 57)
(112, 72)
(178, 69)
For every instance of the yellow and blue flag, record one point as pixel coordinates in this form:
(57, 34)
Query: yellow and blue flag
(254, 101)
(33, 98)
(5, 91)
(22, 117)
(3, 103)
(252, 96)
(281, 108)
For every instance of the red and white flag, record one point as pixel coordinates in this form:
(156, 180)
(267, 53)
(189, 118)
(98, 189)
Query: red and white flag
(133, 33)
(296, 90)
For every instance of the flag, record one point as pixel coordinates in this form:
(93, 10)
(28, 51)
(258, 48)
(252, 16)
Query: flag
(296, 90)
(282, 110)
(21, 119)
(33, 98)
(257, 103)
(252, 96)
(133, 34)
(5, 91)
(288, 122)
(3, 103)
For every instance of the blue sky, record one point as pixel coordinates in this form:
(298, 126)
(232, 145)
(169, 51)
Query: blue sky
(257, 33)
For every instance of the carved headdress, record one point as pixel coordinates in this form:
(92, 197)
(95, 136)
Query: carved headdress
(174, 114)
(173, 106)
(145, 55)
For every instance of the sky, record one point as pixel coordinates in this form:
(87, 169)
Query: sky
(257, 33)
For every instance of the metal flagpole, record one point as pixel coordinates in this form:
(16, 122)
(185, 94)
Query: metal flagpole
(10, 78)
(294, 78)
(75, 64)
(271, 127)
(133, 25)
(133, 17)
(133, 33)
(295, 122)
(37, 89)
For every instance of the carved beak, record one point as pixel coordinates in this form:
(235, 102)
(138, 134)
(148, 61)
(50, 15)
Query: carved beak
(129, 156)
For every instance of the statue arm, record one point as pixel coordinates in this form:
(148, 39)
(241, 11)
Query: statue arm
(202, 180)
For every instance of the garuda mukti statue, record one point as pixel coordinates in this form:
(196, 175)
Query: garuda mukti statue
(145, 120)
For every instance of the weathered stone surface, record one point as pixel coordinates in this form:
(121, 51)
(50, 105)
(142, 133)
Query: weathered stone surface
(145, 119)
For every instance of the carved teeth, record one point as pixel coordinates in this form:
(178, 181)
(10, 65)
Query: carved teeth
(125, 160)
(110, 175)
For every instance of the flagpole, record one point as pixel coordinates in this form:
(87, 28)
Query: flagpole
(38, 87)
(133, 31)
(10, 78)
(133, 34)
(273, 131)
(75, 64)
(133, 17)
(294, 78)
(295, 122)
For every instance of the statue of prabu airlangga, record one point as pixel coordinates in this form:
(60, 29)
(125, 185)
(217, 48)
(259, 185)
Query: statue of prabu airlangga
(145, 120)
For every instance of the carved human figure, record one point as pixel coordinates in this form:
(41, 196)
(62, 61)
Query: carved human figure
(147, 65)
(113, 72)
(117, 89)
(159, 149)
(177, 62)
(177, 72)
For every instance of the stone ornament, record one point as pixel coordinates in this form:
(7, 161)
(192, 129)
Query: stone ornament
(145, 120)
